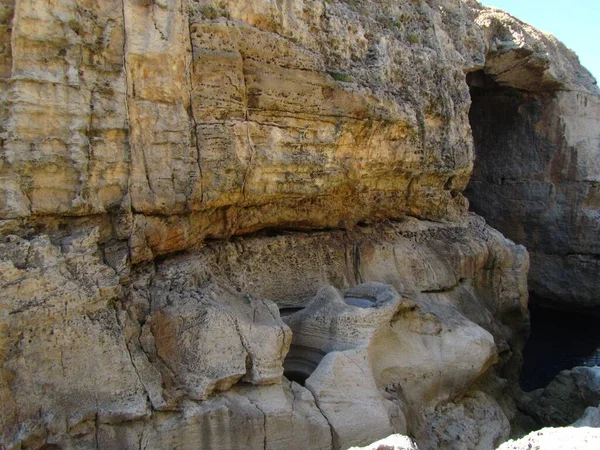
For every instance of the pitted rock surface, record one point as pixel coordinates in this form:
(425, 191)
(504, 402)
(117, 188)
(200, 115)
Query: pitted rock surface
(181, 178)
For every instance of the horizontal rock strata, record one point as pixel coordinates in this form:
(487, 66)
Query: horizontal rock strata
(233, 224)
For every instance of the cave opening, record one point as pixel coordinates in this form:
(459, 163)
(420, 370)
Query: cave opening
(289, 310)
(559, 340)
(508, 185)
(514, 186)
(301, 362)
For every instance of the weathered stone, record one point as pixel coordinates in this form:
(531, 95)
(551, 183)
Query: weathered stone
(557, 439)
(590, 418)
(373, 340)
(475, 421)
(565, 399)
(65, 364)
(174, 354)
(142, 142)
(210, 337)
(431, 353)
(346, 393)
(285, 416)
(535, 118)
(201, 114)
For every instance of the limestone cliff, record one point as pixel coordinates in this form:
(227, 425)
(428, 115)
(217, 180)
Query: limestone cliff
(535, 119)
(232, 224)
(189, 350)
(183, 120)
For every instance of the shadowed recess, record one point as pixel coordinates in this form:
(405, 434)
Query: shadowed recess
(301, 362)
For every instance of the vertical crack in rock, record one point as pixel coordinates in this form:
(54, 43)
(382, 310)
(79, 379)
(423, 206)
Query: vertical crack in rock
(156, 27)
(243, 340)
(140, 441)
(265, 440)
(144, 440)
(62, 363)
(334, 437)
(247, 125)
(349, 263)
(126, 97)
(89, 143)
(96, 430)
(126, 343)
(194, 134)
(164, 365)
(356, 263)
(143, 150)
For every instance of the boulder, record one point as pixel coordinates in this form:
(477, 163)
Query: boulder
(474, 421)
(210, 338)
(565, 399)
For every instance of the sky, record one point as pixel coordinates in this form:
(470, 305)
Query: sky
(575, 22)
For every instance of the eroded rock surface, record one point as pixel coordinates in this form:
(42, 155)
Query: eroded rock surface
(65, 363)
(416, 352)
(209, 337)
(565, 399)
(475, 421)
(590, 418)
(200, 119)
(535, 119)
(195, 348)
(143, 146)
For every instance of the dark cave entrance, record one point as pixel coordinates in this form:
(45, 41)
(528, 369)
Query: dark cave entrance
(508, 185)
(510, 188)
(301, 362)
(559, 340)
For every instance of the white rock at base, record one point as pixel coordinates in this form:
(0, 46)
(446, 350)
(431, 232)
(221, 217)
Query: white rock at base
(567, 438)
(393, 442)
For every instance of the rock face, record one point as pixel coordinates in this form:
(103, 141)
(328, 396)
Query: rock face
(475, 421)
(191, 352)
(590, 418)
(186, 120)
(565, 399)
(536, 178)
(146, 144)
